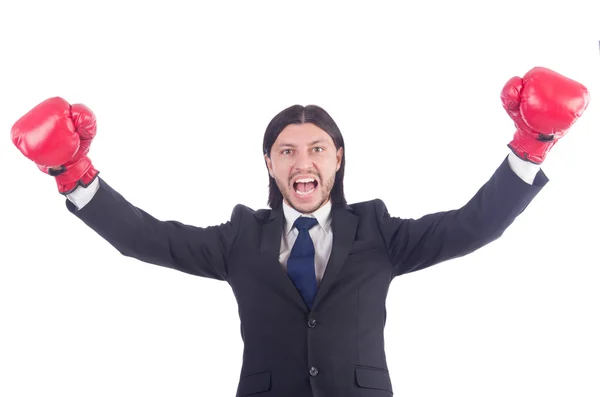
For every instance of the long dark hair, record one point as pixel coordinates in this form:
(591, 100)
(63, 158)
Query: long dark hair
(298, 114)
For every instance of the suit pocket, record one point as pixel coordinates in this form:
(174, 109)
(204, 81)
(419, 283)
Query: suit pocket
(362, 247)
(254, 383)
(373, 378)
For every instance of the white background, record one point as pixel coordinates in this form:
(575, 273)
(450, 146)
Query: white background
(183, 92)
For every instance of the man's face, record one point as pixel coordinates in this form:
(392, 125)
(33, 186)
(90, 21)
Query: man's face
(304, 162)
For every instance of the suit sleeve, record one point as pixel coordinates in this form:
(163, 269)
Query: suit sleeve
(414, 244)
(201, 251)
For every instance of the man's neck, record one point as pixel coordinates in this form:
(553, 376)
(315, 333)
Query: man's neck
(322, 214)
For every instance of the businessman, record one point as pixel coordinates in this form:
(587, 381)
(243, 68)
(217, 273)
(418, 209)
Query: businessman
(311, 273)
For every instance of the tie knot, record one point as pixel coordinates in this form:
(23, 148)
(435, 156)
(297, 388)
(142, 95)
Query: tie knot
(305, 223)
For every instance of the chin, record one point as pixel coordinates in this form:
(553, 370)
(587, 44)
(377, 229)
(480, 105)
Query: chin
(307, 208)
(306, 204)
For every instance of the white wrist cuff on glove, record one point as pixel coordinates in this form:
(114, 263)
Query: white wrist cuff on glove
(83, 195)
(524, 169)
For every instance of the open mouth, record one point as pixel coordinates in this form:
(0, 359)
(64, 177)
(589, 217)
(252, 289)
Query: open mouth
(305, 186)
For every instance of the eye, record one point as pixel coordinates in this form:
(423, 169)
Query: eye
(319, 149)
(286, 151)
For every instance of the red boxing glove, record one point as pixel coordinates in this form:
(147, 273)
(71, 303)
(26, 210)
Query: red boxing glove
(543, 105)
(57, 136)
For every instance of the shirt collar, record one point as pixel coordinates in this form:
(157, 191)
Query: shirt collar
(323, 216)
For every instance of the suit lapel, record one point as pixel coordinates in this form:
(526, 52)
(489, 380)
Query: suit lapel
(344, 225)
(270, 247)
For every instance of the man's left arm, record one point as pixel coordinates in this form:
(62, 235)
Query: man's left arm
(414, 244)
(543, 105)
(525, 170)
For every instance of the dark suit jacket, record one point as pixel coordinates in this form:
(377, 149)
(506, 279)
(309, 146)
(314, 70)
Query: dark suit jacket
(337, 348)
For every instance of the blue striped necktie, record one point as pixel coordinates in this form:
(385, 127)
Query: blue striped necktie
(301, 263)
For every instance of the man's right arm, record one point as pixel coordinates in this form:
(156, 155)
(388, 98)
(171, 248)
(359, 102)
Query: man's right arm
(82, 195)
(201, 251)
(57, 136)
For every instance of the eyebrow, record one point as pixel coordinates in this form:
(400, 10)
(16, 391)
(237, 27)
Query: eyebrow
(284, 144)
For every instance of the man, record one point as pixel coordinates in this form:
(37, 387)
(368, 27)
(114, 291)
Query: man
(311, 273)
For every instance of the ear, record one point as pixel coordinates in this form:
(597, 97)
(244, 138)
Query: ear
(339, 155)
(269, 165)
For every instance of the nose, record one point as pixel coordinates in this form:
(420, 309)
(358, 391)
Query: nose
(304, 161)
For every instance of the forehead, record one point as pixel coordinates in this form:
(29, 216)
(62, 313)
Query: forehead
(302, 134)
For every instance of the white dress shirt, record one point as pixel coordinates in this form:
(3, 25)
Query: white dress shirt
(321, 234)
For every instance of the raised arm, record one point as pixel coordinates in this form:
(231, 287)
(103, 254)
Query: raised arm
(543, 105)
(57, 136)
(415, 244)
(201, 251)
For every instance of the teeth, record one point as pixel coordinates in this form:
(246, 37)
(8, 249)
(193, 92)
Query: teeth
(305, 193)
(305, 180)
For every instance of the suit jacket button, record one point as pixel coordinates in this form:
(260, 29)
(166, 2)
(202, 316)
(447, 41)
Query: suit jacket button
(314, 371)
(312, 322)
